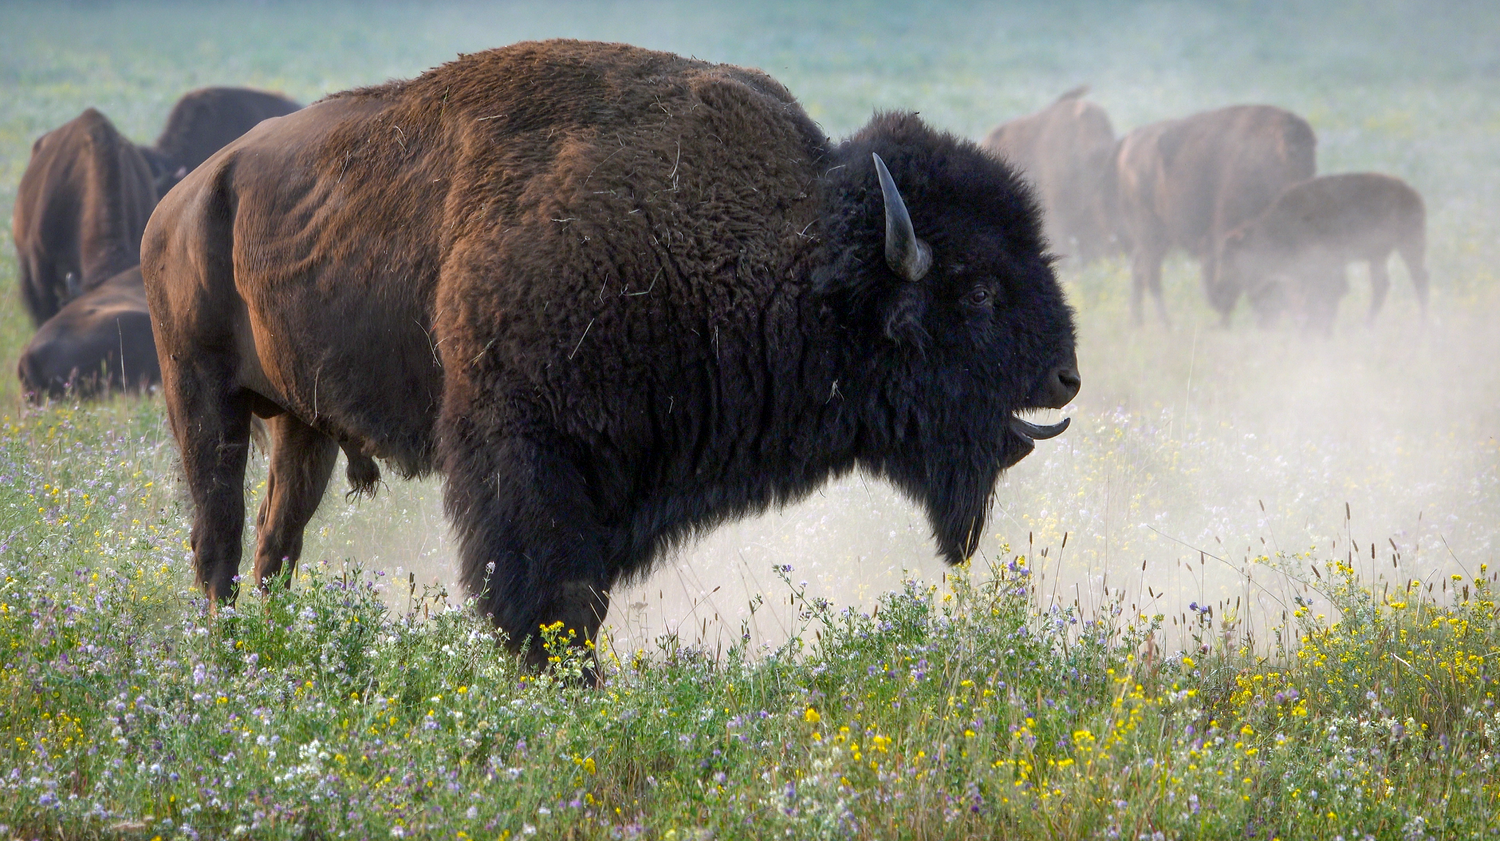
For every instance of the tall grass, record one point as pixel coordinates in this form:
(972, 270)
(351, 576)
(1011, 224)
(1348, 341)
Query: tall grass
(944, 712)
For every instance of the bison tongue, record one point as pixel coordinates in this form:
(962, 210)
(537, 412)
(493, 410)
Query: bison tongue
(1033, 432)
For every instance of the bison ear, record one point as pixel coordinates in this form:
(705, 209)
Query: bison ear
(908, 256)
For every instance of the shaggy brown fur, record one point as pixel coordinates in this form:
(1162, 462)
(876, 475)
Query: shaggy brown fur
(1188, 182)
(1064, 149)
(80, 209)
(1294, 254)
(616, 295)
(100, 342)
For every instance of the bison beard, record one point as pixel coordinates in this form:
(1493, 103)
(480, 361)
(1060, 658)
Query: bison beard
(616, 296)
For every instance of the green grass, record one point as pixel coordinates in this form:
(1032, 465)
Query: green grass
(1249, 593)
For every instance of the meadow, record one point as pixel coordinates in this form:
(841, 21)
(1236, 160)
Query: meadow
(1249, 593)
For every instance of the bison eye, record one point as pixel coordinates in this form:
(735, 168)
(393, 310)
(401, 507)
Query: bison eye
(979, 296)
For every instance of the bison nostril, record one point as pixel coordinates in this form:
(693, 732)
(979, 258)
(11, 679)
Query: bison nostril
(1061, 387)
(1069, 379)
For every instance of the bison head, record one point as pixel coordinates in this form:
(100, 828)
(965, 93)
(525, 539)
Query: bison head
(1246, 265)
(955, 323)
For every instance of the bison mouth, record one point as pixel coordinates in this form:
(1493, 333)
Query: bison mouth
(1025, 434)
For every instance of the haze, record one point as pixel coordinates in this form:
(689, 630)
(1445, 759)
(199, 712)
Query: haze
(1193, 451)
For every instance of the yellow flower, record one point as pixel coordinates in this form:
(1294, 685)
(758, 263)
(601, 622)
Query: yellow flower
(811, 716)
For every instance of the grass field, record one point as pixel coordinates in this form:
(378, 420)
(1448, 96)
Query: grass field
(1249, 593)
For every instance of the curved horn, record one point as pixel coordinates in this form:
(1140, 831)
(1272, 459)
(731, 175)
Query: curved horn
(907, 255)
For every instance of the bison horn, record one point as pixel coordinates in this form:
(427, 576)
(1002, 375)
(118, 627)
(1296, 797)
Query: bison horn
(907, 255)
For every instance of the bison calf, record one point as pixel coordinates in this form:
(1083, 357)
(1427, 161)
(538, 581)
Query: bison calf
(1294, 255)
(616, 296)
(1188, 182)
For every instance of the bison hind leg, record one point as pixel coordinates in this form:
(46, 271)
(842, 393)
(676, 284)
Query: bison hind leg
(302, 461)
(212, 426)
(363, 475)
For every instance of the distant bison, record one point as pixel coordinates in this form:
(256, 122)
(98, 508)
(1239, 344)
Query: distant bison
(1188, 182)
(1294, 254)
(99, 342)
(203, 122)
(80, 210)
(1065, 150)
(617, 296)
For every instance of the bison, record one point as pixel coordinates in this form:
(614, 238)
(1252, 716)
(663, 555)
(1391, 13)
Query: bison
(1188, 182)
(616, 296)
(80, 210)
(1295, 252)
(1065, 150)
(99, 342)
(204, 121)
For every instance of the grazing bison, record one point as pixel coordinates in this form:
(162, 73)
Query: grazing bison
(1293, 255)
(1065, 149)
(99, 342)
(616, 296)
(203, 122)
(80, 210)
(1188, 182)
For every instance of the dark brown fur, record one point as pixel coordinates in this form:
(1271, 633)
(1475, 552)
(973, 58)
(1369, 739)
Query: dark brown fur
(206, 120)
(1293, 255)
(1186, 183)
(99, 343)
(616, 296)
(80, 209)
(1065, 149)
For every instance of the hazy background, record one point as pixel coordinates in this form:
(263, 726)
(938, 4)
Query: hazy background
(1192, 452)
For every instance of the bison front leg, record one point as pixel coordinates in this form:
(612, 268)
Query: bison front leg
(302, 459)
(531, 547)
(1414, 255)
(211, 420)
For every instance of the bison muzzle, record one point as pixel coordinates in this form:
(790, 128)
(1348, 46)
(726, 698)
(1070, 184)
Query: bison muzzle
(616, 296)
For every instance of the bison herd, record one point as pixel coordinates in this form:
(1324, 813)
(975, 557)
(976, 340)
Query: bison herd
(617, 297)
(81, 208)
(1236, 188)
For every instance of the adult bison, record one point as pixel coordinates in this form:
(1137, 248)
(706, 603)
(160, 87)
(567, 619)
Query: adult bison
(81, 207)
(99, 342)
(204, 121)
(1188, 182)
(616, 296)
(1065, 151)
(1294, 254)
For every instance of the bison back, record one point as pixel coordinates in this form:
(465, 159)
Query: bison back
(81, 207)
(100, 342)
(208, 119)
(526, 228)
(1224, 167)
